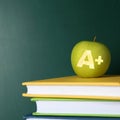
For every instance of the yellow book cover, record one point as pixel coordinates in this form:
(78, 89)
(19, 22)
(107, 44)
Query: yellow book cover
(106, 87)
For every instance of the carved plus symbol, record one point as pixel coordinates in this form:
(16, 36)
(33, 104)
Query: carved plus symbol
(99, 60)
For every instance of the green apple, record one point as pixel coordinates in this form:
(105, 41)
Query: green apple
(90, 58)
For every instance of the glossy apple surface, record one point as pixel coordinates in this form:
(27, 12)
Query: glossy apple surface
(90, 59)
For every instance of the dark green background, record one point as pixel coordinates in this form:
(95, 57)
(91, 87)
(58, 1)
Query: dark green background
(36, 38)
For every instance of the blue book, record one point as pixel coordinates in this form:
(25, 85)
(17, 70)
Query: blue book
(39, 117)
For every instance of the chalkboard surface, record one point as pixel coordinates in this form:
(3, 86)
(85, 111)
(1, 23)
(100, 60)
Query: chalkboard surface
(36, 39)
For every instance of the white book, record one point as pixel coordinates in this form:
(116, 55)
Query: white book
(76, 107)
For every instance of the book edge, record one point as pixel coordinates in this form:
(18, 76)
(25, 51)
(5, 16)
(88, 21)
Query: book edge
(87, 115)
(83, 81)
(70, 96)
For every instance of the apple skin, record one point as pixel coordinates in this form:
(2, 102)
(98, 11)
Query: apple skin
(97, 50)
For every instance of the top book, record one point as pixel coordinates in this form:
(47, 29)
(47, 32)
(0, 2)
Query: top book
(106, 87)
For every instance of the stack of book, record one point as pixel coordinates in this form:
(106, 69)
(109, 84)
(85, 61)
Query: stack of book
(74, 98)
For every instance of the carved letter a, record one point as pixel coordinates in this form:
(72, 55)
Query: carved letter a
(86, 59)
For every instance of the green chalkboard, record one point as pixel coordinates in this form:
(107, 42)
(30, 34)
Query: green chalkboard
(36, 38)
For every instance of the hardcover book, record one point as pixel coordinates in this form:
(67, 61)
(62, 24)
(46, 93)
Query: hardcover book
(106, 87)
(76, 107)
(36, 117)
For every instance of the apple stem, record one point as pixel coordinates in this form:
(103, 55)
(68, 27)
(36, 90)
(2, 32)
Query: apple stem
(94, 39)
